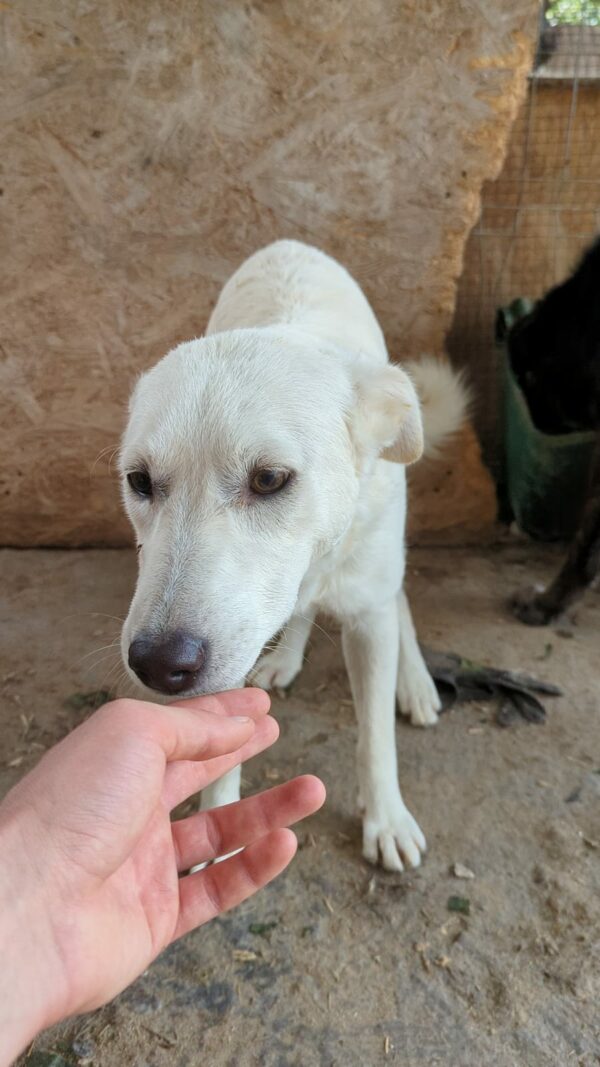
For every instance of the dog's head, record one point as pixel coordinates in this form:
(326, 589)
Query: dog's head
(241, 466)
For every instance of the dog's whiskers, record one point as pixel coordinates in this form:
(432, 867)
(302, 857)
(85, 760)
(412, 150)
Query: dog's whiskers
(103, 648)
(102, 661)
(318, 627)
(111, 451)
(92, 615)
(114, 677)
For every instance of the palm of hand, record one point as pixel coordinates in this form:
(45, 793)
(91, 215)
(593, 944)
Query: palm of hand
(98, 823)
(123, 922)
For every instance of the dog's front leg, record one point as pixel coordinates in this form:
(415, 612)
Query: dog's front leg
(277, 669)
(417, 695)
(225, 790)
(371, 652)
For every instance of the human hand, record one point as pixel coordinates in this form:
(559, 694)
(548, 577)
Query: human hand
(90, 863)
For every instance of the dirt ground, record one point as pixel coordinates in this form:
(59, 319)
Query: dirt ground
(338, 963)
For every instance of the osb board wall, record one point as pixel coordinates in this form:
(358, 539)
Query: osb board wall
(148, 148)
(536, 219)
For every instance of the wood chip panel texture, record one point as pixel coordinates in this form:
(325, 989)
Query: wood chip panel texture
(148, 148)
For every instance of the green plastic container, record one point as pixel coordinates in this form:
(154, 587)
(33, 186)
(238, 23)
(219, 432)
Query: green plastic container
(545, 475)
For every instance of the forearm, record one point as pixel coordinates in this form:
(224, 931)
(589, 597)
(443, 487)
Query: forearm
(29, 982)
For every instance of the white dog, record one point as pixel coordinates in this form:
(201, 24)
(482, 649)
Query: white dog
(253, 475)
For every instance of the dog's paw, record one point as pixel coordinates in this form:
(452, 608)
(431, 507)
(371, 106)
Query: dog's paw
(276, 670)
(418, 697)
(529, 607)
(393, 838)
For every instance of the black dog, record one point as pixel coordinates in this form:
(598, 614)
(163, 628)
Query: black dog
(555, 355)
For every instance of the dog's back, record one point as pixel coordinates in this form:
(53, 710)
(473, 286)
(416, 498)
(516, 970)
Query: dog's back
(295, 285)
(290, 283)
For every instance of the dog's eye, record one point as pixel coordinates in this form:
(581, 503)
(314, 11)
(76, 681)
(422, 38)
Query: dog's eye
(140, 482)
(268, 480)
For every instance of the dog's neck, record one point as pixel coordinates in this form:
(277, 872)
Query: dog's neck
(322, 585)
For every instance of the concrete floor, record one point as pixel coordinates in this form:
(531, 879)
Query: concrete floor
(360, 967)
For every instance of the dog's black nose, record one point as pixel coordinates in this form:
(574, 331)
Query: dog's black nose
(170, 662)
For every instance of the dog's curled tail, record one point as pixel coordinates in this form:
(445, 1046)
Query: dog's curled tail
(444, 396)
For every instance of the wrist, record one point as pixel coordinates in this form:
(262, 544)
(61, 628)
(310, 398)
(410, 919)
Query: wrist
(30, 976)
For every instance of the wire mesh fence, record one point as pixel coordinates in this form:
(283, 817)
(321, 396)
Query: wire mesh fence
(543, 209)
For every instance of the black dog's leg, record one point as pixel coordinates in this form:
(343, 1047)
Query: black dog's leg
(578, 571)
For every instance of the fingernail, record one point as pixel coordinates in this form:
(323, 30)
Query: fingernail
(241, 718)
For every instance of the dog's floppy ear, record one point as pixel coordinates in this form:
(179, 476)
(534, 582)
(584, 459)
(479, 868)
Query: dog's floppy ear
(387, 416)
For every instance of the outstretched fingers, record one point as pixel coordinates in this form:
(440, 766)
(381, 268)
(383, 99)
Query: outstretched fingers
(184, 777)
(222, 886)
(209, 834)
